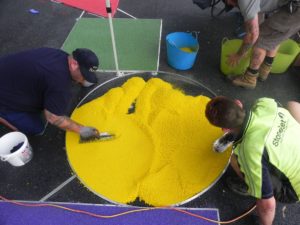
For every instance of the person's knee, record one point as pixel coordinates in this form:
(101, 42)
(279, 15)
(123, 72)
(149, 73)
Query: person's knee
(266, 205)
(291, 105)
(32, 131)
(30, 126)
(294, 108)
(27, 123)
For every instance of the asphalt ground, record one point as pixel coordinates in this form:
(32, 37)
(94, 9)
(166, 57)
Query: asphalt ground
(49, 169)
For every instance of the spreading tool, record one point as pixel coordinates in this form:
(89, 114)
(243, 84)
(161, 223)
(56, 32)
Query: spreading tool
(103, 136)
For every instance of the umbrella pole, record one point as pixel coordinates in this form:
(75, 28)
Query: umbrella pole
(108, 10)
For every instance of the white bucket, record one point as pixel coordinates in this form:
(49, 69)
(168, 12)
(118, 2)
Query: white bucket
(15, 149)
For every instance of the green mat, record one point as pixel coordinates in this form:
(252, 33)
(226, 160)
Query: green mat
(137, 42)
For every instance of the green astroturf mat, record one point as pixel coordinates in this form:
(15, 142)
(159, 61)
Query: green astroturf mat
(137, 42)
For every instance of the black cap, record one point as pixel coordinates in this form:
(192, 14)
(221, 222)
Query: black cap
(88, 63)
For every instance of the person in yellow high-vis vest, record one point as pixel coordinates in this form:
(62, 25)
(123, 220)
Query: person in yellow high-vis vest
(266, 149)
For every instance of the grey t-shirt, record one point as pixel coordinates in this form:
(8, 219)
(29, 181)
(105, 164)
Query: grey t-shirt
(250, 8)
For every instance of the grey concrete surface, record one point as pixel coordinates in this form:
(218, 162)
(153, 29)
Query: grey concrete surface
(20, 30)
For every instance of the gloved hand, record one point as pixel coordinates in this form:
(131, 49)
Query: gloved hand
(223, 143)
(88, 132)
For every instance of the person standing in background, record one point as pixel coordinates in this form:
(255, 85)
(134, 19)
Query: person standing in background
(264, 37)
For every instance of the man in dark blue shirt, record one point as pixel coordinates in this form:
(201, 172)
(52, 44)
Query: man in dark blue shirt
(35, 84)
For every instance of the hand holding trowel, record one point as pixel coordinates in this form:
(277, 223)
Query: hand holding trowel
(91, 134)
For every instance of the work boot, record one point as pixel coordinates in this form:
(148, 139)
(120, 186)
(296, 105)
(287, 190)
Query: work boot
(237, 185)
(248, 80)
(264, 71)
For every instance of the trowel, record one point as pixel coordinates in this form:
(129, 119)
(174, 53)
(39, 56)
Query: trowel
(102, 136)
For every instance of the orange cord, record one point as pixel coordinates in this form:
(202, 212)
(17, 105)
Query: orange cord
(216, 221)
(124, 213)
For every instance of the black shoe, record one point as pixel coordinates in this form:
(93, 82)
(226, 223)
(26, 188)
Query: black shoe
(237, 185)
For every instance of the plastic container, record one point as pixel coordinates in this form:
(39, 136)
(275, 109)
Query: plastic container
(15, 149)
(286, 54)
(182, 49)
(230, 47)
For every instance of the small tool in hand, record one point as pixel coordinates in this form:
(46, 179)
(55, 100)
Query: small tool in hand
(102, 136)
(222, 143)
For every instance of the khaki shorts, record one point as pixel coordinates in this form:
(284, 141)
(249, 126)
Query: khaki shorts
(278, 27)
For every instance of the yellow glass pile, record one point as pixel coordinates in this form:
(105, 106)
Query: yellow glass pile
(162, 153)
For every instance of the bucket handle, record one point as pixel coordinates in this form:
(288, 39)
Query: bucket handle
(4, 158)
(224, 40)
(172, 43)
(195, 34)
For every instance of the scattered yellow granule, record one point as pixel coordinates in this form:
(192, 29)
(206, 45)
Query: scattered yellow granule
(163, 150)
(188, 49)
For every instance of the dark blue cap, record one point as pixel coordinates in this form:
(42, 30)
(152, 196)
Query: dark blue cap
(88, 63)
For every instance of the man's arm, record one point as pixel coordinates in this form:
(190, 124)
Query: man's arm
(252, 32)
(62, 122)
(266, 210)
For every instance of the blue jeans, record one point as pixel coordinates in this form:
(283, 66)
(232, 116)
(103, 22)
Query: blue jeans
(27, 123)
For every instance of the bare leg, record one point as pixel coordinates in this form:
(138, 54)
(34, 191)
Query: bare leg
(273, 52)
(266, 210)
(294, 109)
(266, 67)
(248, 80)
(257, 57)
(259, 54)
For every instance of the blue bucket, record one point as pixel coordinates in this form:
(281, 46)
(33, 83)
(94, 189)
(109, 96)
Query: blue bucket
(182, 50)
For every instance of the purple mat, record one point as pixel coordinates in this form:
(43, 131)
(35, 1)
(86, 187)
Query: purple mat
(11, 214)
